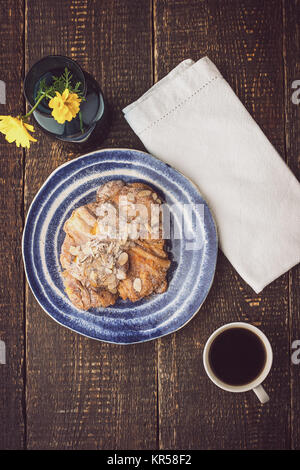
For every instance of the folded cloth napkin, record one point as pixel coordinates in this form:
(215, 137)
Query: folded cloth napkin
(193, 120)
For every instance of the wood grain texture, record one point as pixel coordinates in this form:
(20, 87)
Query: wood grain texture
(83, 394)
(244, 39)
(60, 390)
(292, 114)
(11, 221)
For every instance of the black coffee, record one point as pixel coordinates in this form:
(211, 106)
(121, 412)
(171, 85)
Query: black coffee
(237, 356)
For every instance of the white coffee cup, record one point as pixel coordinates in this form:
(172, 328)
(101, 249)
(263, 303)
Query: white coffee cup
(255, 385)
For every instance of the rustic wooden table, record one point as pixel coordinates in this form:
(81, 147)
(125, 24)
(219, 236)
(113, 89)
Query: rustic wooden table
(60, 390)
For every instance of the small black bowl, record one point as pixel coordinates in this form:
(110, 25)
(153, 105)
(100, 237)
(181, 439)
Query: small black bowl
(93, 108)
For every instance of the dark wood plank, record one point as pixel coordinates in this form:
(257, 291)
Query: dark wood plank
(244, 39)
(11, 220)
(83, 394)
(292, 73)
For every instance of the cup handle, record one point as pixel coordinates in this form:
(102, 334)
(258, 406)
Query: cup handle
(261, 394)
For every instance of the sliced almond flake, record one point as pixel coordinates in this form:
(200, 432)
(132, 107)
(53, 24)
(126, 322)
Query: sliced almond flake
(87, 250)
(144, 193)
(121, 275)
(74, 250)
(154, 196)
(123, 258)
(82, 260)
(93, 275)
(137, 284)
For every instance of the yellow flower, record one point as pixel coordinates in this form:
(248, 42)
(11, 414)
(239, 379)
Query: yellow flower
(16, 130)
(65, 106)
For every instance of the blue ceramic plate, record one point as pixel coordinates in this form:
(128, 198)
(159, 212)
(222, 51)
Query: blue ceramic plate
(193, 252)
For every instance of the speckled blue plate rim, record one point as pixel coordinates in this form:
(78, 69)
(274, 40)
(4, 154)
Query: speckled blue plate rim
(212, 248)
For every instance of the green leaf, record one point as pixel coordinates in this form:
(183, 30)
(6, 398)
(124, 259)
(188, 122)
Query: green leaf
(60, 84)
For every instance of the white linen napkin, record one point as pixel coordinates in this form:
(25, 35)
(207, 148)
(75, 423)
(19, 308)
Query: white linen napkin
(193, 120)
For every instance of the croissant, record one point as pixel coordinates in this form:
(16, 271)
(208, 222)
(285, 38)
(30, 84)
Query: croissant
(99, 267)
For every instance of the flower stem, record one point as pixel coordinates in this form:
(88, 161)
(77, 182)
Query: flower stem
(36, 105)
(80, 121)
